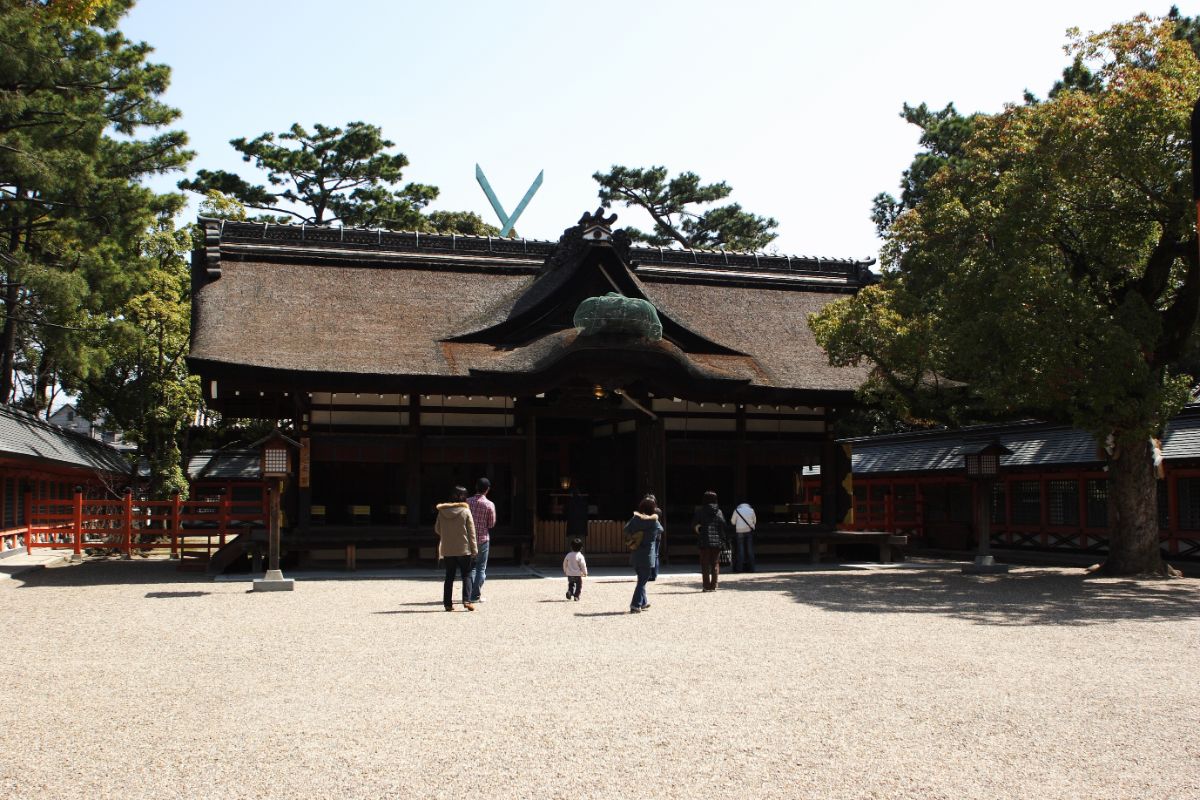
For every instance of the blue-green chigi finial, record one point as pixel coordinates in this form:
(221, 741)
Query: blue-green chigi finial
(616, 314)
(506, 221)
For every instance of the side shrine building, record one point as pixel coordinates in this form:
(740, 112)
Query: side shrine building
(406, 363)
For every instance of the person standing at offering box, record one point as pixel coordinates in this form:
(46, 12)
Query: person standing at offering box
(744, 523)
(710, 528)
(483, 512)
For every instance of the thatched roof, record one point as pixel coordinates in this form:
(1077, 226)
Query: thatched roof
(316, 303)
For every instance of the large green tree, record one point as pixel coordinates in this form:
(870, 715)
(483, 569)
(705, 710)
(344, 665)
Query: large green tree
(76, 98)
(682, 210)
(1052, 270)
(333, 175)
(143, 387)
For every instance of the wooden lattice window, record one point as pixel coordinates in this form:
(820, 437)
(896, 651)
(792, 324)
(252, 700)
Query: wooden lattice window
(1026, 502)
(1187, 499)
(1062, 502)
(1097, 503)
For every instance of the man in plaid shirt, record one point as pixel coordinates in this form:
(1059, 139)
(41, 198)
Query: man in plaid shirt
(483, 511)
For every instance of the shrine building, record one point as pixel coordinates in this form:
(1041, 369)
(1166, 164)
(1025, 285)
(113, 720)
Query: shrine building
(406, 363)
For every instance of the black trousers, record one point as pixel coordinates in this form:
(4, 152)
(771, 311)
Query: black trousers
(462, 565)
(574, 585)
(710, 566)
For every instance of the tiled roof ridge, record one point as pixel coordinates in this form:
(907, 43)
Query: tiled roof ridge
(966, 431)
(27, 418)
(319, 235)
(34, 421)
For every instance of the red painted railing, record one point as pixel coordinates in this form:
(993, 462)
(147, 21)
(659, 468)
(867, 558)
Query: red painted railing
(192, 528)
(897, 504)
(11, 539)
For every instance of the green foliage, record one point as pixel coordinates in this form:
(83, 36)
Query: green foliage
(943, 135)
(328, 175)
(464, 222)
(1051, 269)
(219, 206)
(673, 205)
(77, 96)
(1052, 266)
(143, 386)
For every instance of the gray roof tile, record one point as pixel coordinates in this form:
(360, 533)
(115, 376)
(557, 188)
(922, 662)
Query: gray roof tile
(22, 434)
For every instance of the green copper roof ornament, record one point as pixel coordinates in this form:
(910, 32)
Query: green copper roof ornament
(507, 222)
(616, 314)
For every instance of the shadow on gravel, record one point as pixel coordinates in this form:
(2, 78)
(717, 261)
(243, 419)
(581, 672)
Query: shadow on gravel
(1024, 597)
(602, 614)
(110, 572)
(414, 610)
(165, 595)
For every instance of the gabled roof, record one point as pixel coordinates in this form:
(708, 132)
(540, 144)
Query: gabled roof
(320, 304)
(1034, 444)
(225, 464)
(24, 435)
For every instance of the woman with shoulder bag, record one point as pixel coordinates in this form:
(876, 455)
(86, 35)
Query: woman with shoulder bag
(709, 525)
(642, 534)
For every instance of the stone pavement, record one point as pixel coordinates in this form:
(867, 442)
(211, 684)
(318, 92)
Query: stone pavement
(18, 562)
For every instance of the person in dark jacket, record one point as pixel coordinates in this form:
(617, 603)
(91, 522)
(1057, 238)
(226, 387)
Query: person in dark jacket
(642, 534)
(709, 525)
(662, 540)
(456, 545)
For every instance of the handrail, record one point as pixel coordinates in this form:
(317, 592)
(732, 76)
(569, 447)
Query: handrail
(128, 525)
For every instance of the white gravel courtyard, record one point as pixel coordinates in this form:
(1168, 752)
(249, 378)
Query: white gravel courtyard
(131, 680)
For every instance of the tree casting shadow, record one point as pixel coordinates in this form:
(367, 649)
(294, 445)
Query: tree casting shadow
(1030, 596)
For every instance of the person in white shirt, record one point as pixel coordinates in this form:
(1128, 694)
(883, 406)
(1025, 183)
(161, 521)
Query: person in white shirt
(744, 523)
(575, 568)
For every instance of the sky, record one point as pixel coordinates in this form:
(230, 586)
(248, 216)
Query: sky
(794, 104)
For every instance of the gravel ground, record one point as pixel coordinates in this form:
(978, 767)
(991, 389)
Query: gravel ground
(130, 680)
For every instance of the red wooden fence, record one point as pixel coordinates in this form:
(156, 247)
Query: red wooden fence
(192, 528)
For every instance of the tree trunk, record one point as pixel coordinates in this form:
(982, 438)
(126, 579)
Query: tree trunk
(8, 341)
(1133, 547)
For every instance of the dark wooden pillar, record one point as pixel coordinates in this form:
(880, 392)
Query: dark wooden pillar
(739, 470)
(412, 458)
(652, 458)
(530, 511)
(829, 476)
(837, 497)
(302, 421)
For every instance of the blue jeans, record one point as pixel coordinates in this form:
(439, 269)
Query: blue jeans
(639, 593)
(460, 565)
(480, 570)
(745, 550)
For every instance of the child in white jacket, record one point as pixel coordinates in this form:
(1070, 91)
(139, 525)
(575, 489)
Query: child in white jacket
(575, 568)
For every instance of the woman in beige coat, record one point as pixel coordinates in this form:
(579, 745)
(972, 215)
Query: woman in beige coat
(456, 544)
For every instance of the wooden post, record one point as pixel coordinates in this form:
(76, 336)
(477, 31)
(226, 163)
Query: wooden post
(77, 522)
(740, 483)
(302, 414)
(128, 523)
(28, 514)
(222, 521)
(174, 534)
(412, 455)
(273, 530)
(531, 482)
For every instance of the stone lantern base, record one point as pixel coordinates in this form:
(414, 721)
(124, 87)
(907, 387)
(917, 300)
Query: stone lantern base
(985, 565)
